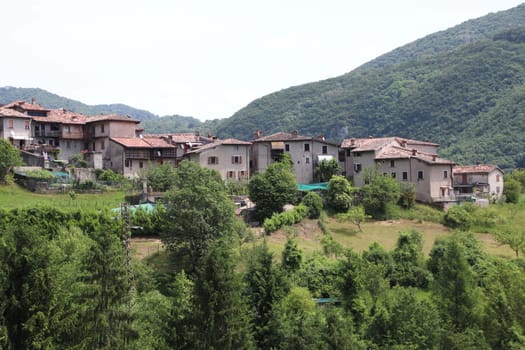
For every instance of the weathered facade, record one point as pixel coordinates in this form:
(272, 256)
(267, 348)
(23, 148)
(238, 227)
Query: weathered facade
(230, 157)
(408, 161)
(306, 152)
(481, 180)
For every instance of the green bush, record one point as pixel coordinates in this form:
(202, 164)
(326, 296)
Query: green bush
(314, 202)
(459, 217)
(286, 218)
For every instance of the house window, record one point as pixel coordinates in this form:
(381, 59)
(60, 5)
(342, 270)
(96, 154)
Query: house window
(27, 124)
(357, 154)
(497, 177)
(405, 176)
(236, 160)
(94, 148)
(497, 189)
(393, 174)
(348, 152)
(102, 128)
(54, 127)
(420, 175)
(307, 147)
(230, 174)
(357, 167)
(68, 144)
(141, 165)
(10, 123)
(68, 129)
(392, 163)
(242, 174)
(307, 160)
(445, 174)
(128, 163)
(325, 149)
(287, 147)
(102, 145)
(213, 160)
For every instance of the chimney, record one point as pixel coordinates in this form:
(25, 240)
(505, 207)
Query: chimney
(33, 100)
(352, 142)
(321, 137)
(403, 143)
(434, 157)
(414, 151)
(294, 133)
(197, 133)
(214, 138)
(257, 134)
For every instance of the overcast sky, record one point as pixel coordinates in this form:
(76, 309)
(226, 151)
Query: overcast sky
(206, 59)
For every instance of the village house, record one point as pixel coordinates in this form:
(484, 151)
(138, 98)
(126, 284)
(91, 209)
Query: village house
(15, 127)
(305, 151)
(408, 161)
(483, 181)
(184, 142)
(132, 155)
(230, 157)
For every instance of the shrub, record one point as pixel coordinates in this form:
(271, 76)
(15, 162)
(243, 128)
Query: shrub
(314, 202)
(458, 217)
(286, 218)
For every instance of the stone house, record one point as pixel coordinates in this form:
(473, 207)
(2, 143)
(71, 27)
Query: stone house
(230, 157)
(305, 151)
(482, 180)
(408, 161)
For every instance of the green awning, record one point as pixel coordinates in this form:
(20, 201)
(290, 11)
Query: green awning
(313, 187)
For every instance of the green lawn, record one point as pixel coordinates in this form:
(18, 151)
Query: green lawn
(13, 196)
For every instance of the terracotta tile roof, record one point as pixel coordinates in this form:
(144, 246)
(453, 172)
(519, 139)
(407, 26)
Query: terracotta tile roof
(158, 142)
(62, 116)
(292, 136)
(226, 142)
(112, 117)
(185, 137)
(375, 143)
(26, 106)
(11, 113)
(283, 136)
(475, 169)
(393, 151)
(137, 142)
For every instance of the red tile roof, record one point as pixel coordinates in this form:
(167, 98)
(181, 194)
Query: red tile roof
(26, 105)
(282, 136)
(475, 169)
(11, 113)
(112, 117)
(62, 116)
(375, 143)
(226, 142)
(137, 142)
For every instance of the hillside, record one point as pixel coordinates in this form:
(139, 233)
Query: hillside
(449, 87)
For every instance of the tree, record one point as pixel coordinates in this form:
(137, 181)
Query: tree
(299, 322)
(356, 215)
(274, 188)
(339, 193)
(161, 177)
(221, 318)
(378, 194)
(458, 217)
(9, 157)
(514, 237)
(325, 169)
(292, 256)
(408, 261)
(198, 210)
(455, 289)
(314, 202)
(105, 290)
(512, 190)
(265, 286)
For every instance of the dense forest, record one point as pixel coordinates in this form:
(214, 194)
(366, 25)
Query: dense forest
(67, 280)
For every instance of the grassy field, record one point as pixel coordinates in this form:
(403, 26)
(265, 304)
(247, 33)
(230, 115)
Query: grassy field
(13, 196)
(384, 232)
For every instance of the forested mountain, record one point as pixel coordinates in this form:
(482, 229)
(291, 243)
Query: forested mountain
(458, 87)
(50, 100)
